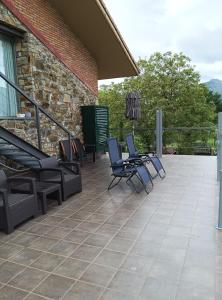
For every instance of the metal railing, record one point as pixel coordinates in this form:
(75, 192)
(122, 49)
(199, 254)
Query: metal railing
(176, 140)
(38, 110)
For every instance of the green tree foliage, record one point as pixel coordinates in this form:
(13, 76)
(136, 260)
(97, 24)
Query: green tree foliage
(166, 81)
(213, 98)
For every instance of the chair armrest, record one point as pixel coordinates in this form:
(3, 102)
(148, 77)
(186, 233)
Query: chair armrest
(56, 170)
(123, 164)
(30, 181)
(53, 170)
(71, 164)
(132, 159)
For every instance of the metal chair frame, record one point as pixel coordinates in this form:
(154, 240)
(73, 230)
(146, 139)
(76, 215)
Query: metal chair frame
(127, 168)
(145, 157)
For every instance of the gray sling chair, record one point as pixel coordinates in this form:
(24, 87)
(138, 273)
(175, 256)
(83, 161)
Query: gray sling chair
(127, 168)
(145, 157)
(65, 173)
(17, 207)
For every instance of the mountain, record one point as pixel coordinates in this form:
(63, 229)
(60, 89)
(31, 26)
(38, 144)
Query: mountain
(215, 85)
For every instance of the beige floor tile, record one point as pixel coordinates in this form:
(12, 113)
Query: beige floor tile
(83, 291)
(86, 252)
(98, 275)
(54, 287)
(10, 293)
(71, 268)
(28, 279)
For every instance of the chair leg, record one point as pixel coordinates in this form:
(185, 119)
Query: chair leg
(44, 204)
(111, 185)
(59, 197)
(9, 227)
(63, 192)
(132, 183)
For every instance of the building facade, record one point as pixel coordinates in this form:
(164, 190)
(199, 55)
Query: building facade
(42, 54)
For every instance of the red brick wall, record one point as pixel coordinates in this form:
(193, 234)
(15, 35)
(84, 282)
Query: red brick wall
(46, 24)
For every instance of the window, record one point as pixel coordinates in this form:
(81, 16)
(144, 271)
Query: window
(8, 101)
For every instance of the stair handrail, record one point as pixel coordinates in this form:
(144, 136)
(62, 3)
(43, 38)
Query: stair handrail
(42, 110)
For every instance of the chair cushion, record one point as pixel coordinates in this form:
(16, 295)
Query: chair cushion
(67, 177)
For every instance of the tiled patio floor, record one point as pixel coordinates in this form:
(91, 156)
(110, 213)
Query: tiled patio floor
(121, 245)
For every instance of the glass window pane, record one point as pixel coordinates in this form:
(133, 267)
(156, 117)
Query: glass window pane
(2, 67)
(8, 101)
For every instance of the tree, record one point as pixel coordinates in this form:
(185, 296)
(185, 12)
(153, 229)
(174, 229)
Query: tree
(213, 98)
(170, 82)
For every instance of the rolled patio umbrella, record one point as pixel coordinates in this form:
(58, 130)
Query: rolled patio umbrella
(133, 106)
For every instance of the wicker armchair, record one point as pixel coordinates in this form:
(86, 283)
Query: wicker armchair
(65, 173)
(17, 207)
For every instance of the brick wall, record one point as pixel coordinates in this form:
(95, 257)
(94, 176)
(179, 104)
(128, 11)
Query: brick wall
(46, 24)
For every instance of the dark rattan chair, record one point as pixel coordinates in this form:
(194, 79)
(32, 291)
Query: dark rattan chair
(67, 174)
(145, 157)
(127, 168)
(80, 151)
(15, 208)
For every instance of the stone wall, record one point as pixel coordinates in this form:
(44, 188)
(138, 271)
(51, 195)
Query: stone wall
(42, 76)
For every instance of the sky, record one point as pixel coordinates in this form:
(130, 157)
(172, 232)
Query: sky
(193, 27)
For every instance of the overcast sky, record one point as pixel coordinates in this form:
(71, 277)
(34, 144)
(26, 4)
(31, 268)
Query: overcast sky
(191, 26)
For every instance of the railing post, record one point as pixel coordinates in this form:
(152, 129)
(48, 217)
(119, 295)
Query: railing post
(38, 127)
(219, 226)
(219, 145)
(219, 168)
(159, 132)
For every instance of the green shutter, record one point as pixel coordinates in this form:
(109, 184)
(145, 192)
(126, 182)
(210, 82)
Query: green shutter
(95, 125)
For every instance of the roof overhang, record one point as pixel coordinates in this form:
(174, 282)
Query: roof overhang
(91, 22)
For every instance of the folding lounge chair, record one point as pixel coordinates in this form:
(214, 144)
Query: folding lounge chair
(127, 168)
(144, 157)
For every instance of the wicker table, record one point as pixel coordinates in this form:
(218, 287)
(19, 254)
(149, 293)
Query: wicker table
(45, 189)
